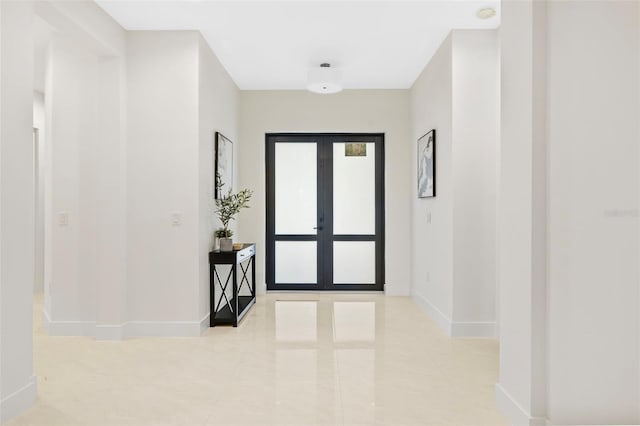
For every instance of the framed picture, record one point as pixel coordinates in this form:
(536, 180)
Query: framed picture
(427, 165)
(223, 177)
(355, 149)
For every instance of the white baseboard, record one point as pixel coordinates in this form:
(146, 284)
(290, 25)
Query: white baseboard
(19, 401)
(163, 328)
(456, 328)
(436, 314)
(109, 331)
(513, 411)
(395, 290)
(473, 329)
(67, 328)
(205, 324)
(127, 329)
(46, 320)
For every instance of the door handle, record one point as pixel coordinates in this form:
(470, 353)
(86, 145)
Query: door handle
(319, 228)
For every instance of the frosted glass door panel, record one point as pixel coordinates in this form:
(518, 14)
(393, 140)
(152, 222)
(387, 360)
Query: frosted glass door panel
(354, 189)
(296, 186)
(354, 262)
(296, 262)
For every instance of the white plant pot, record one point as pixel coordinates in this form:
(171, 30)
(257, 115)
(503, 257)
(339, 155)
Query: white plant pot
(226, 244)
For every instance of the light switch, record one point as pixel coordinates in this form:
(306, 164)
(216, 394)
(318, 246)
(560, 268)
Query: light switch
(176, 219)
(429, 217)
(63, 219)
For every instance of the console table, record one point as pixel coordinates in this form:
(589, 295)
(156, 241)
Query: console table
(231, 305)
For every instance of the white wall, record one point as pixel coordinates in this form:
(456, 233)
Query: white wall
(352, 111)
(521, 390)
(83, 160)
(179, 96)
(17, 383)
(454, 243)
(85, 163)
(131, 118)
(71, 145)
(218, 107)
(39, 123)
(111, 220)
(432, 242)
(593, 145)
(162, 176)
(476, 109)
(84, 20)
(569, 213)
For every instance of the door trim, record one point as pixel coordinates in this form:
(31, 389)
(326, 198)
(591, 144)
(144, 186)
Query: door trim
(325, 192)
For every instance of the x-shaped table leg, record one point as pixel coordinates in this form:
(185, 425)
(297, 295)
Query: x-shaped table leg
(244, 277)
(224, 289)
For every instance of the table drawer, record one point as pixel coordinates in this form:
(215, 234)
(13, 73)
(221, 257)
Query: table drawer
(245, 253)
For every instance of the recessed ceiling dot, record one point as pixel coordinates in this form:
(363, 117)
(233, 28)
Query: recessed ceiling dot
(486, 13)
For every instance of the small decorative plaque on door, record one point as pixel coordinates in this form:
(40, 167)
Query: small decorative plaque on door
(355, 149)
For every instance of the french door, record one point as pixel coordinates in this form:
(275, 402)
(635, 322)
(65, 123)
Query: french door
(325, 211)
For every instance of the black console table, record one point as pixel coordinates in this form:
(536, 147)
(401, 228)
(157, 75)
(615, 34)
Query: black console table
(231, 305)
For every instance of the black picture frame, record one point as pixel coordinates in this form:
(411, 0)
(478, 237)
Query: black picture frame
(427, 165)
(223, 166)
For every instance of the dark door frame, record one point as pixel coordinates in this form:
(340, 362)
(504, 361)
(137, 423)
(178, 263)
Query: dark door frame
(325, 237)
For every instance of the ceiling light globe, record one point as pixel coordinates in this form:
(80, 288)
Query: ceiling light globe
(324, 80)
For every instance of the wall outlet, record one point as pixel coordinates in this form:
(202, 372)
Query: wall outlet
(63, 219)
(176, 219)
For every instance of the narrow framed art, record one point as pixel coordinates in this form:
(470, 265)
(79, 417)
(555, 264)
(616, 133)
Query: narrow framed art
(427, 165)
(223, 155)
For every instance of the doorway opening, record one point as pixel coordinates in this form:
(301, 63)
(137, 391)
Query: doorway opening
(42, 35)
(325, 211)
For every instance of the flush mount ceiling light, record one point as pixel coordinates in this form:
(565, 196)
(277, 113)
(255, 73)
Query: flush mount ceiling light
(486, 13)
(324, 79)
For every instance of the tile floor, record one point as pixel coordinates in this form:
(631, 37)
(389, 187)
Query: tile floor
(296, 359)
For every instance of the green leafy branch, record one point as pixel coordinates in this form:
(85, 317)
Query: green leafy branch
(228, 206)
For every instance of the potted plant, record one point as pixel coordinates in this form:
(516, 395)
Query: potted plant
(222, 233)
(226, 208)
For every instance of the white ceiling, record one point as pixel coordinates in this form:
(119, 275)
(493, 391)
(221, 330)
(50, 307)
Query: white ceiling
(272, 44)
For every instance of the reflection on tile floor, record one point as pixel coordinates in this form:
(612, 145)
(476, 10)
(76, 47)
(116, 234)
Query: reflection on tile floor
(296, 359)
